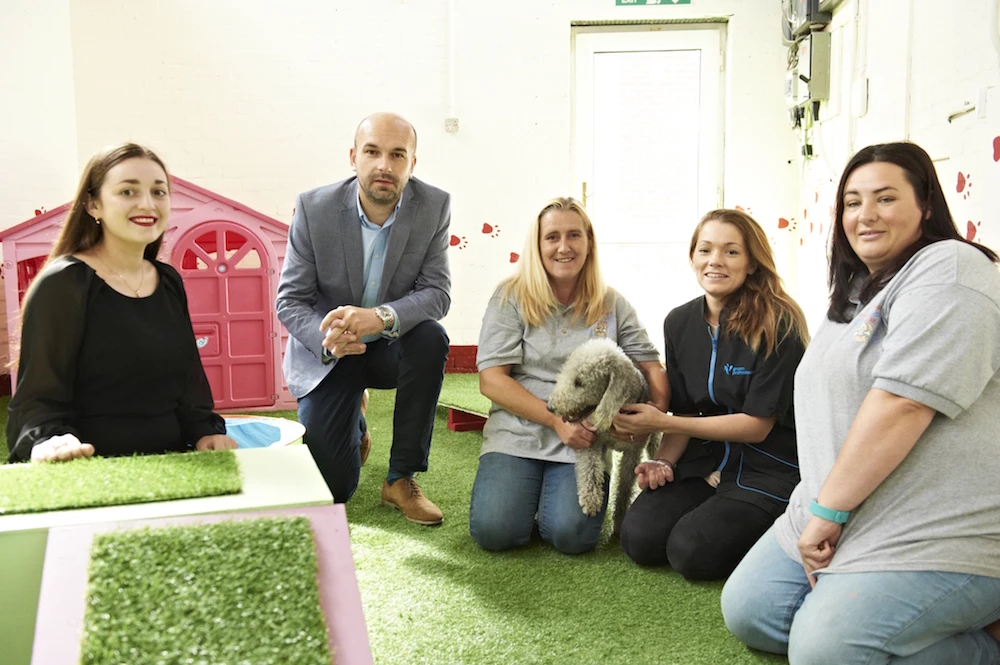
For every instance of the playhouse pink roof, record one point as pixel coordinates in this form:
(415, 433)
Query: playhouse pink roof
(178, 186)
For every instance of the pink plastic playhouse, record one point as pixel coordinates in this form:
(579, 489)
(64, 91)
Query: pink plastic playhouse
(230, 258)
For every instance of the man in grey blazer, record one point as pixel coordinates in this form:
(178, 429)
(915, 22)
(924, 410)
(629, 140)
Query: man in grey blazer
(364, 282)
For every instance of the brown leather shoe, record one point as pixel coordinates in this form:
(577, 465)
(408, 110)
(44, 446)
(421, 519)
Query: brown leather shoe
(405, 495)
(366, 438)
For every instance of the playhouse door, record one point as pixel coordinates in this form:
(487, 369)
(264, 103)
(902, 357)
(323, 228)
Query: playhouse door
(228, 281)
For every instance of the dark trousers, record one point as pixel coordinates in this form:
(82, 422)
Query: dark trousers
(414, 365)
(687, 526)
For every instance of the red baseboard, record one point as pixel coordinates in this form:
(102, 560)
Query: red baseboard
(461, 360)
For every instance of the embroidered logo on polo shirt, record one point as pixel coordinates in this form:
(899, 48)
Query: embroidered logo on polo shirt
(863, 333)
(733, 370)
(601, 329)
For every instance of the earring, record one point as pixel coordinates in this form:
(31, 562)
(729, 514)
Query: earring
(98, 221)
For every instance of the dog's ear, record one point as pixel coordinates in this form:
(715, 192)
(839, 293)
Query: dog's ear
(620, 391)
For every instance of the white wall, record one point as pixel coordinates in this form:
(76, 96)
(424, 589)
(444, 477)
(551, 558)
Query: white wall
(259, 100)
(923, 60)
(38, 165)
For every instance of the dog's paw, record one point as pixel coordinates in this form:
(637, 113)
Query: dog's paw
(714, 478)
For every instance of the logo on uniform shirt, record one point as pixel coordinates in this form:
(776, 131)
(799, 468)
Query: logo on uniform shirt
(601, 329)
(863, 333)
(733, 370)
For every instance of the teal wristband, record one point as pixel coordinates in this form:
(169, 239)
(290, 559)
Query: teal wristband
(836, 516)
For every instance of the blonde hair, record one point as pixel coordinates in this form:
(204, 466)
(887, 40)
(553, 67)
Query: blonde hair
(531, 288)
(761, 312)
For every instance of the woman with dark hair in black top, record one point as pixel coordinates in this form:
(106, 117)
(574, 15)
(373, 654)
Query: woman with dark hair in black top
(727, 463)
(108, 362)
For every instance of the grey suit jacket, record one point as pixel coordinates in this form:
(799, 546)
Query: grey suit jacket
(324, 269)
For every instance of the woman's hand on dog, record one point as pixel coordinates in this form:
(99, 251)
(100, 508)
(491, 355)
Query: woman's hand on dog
(654, 473)
(637, 421)
(576, 435)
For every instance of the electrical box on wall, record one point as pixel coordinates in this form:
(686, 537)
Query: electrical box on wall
(792, 84)
(812, 73)
(806, 15)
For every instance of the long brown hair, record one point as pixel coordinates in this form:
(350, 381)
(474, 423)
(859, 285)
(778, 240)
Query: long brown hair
(937, 225)
(761, 312)
(81, 232)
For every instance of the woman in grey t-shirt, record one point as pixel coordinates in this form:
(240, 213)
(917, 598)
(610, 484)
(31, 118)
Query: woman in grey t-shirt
(889, 551)
(555, 302)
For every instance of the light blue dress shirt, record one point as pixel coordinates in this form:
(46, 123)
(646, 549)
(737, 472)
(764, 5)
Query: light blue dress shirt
(375, 240)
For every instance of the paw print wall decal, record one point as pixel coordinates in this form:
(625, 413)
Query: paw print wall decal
(40, 211)
(514, 256)
(971, 230)
(458, 241)
(996, 149)
(491, 231)
(964, 185)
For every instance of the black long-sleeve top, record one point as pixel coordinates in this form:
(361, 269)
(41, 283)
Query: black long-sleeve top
(714, 374)
(120, 373)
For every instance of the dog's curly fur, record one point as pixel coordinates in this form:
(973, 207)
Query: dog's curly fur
(594, 383)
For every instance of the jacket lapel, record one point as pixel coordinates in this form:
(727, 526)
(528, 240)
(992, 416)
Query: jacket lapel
(405, 219)
(350, 229)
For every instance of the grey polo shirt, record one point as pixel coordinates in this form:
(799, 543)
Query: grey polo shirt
(535, 355)
(931, 335)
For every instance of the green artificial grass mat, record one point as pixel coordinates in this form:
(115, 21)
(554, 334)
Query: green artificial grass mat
(232, 592)
(461, 392)
(430, 595)
(112, 481)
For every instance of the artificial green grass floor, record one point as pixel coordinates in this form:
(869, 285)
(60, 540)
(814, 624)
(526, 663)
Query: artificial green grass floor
(430, 595)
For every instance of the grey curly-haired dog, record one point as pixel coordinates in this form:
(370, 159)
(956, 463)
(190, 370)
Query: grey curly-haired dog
(594, 383)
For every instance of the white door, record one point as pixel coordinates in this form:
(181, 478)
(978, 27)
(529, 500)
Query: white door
(647, 153)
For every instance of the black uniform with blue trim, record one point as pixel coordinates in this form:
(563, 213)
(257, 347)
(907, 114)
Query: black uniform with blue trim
(713, 374)
(700, 531)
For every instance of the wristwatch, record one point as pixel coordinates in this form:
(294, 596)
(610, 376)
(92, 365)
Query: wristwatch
(388, 319)
(835, 516)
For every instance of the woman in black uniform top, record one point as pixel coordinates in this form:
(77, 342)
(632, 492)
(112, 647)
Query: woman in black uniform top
(727, 464)
(108, 362)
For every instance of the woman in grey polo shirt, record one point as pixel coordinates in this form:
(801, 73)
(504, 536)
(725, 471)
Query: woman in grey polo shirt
(556, 302)
(889, 551)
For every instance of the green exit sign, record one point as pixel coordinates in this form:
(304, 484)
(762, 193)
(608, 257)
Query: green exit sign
(621, 3)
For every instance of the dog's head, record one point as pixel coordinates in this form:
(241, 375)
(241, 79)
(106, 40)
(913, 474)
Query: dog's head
(595, 382)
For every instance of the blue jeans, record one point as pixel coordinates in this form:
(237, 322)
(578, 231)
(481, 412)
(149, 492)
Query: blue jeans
(510, 490)
(903, 618)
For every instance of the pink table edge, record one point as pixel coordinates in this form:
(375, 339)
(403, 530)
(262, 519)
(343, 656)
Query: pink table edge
(61, 606)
